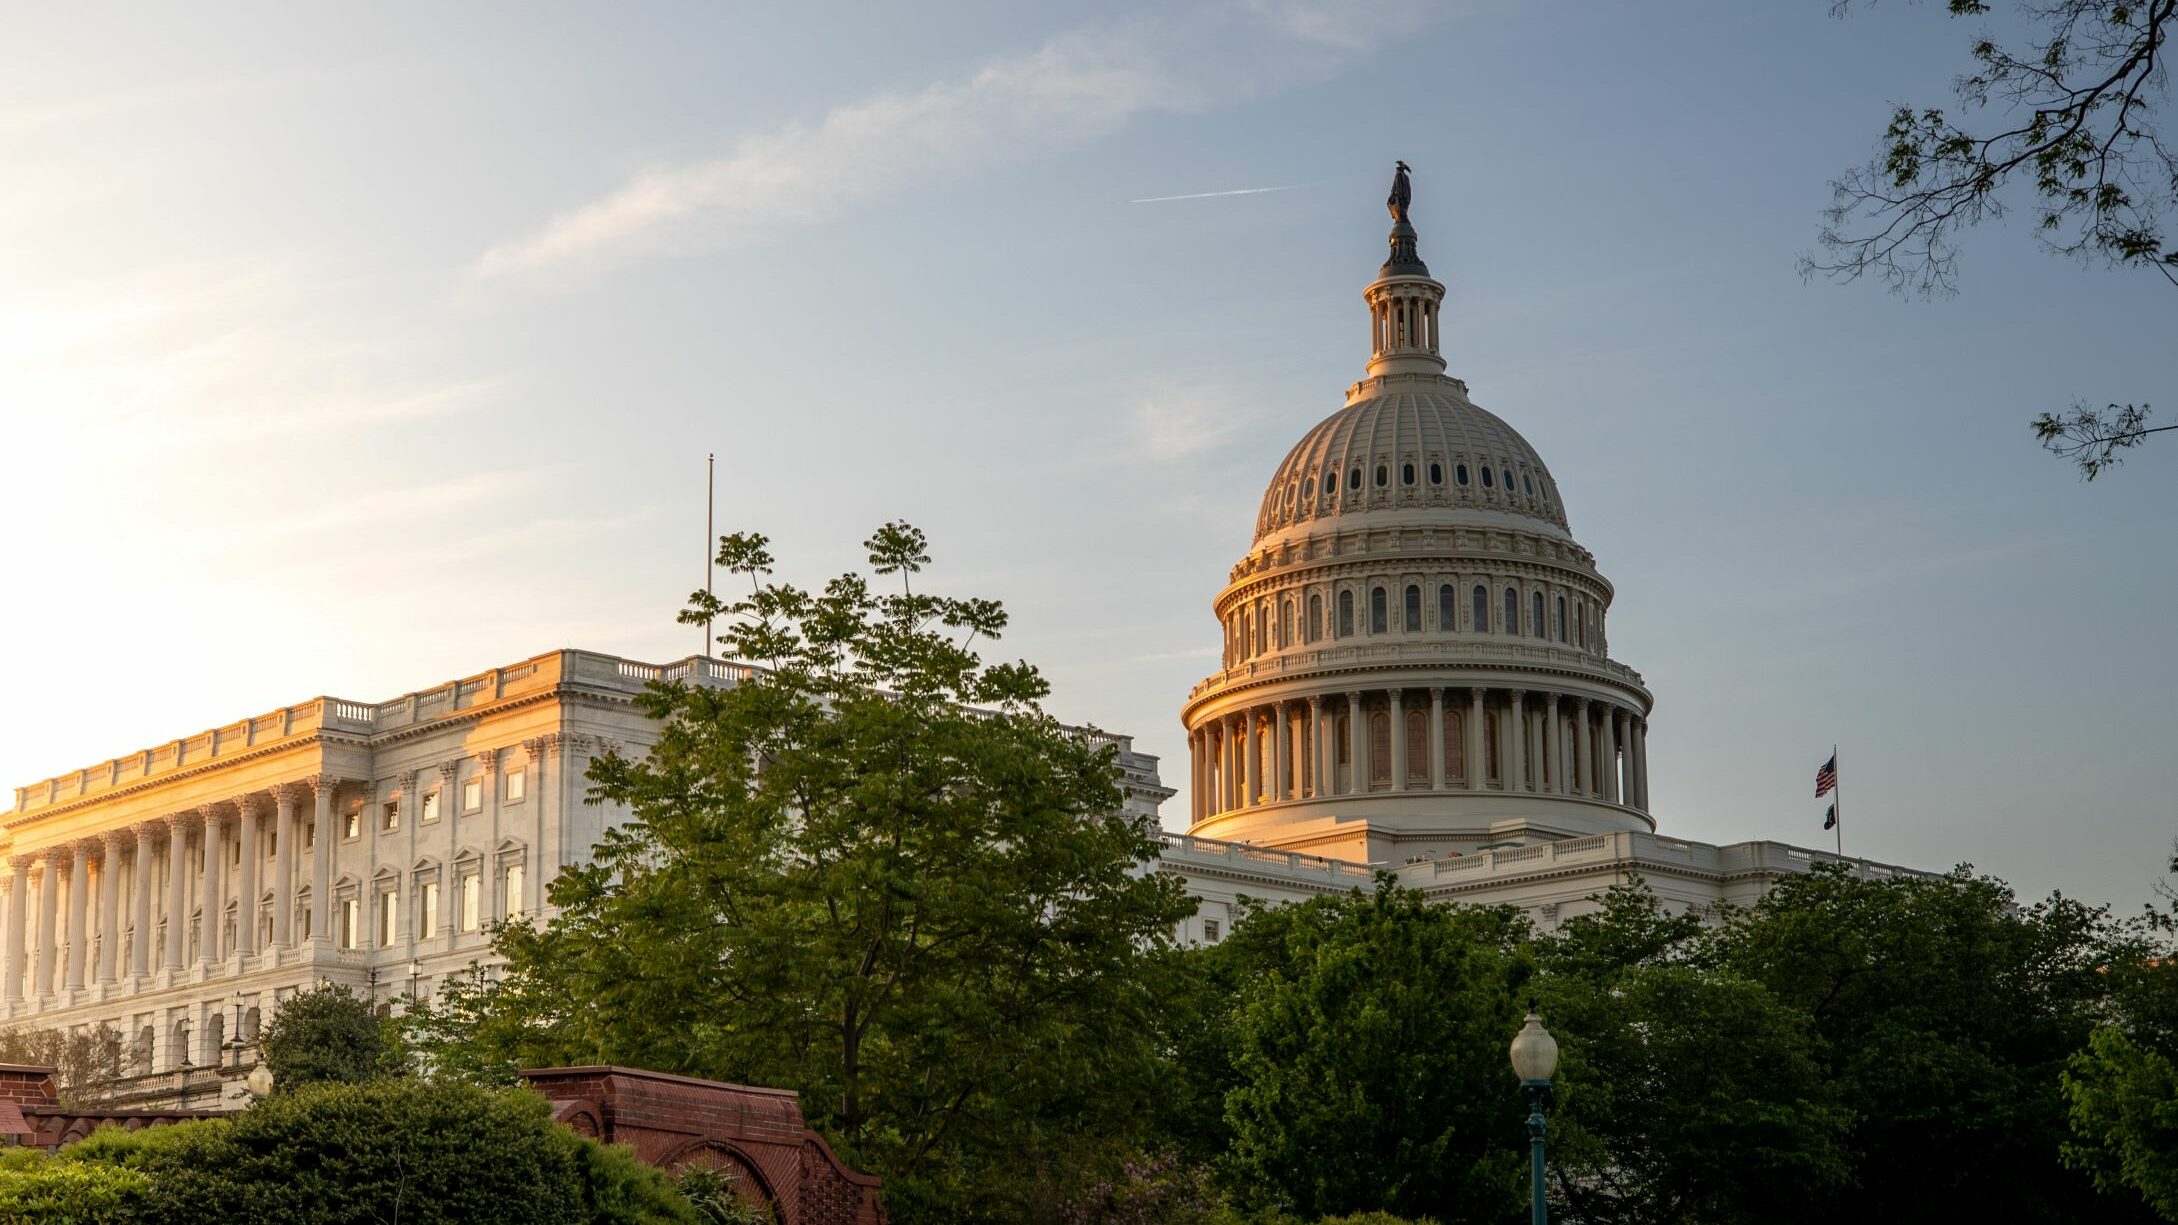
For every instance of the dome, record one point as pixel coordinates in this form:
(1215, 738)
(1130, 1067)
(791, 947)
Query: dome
(1414, 443)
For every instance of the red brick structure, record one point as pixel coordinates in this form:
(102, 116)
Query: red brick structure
(757, 1135)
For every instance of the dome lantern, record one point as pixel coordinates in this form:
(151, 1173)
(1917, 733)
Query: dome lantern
(1404, 302)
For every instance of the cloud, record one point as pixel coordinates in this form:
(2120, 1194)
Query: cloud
(1075, 88)
(1178, 424)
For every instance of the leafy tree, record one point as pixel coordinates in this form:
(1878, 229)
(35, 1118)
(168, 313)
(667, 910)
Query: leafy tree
(1368, 1054)
(2076, 113)
(328, 1034)
(85, 1063)
(875, 872)
(2124, 1099)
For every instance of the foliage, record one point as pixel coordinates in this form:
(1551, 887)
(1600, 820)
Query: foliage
(1152, 1190)
(2124, 1099)
(877, 873)
(2093, 437)
(35, 1188)
(328, 1034)
(715, 1201)
(385, 1150)
(1368, 1057)
(85, 1063)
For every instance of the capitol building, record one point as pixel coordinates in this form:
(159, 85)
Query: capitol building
(1416, 680)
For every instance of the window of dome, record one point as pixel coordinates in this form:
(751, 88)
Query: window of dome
(1486, 478)
(1379, 614)
(1414, 609)
(1406, 474)
(1535, 611)
(1561, 618)
(1436, 473)
(1512, 611)
(1315, 617)
(1353, 479)
(1544, 494)
(1383, 476)
(1459, 473)
(1481, 610)
(1508, 480)
(1346, 614)
(1446, 613)
(1580, 624)
(1308, 488)
(1527, 485)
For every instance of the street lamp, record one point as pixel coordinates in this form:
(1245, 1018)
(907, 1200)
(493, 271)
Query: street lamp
(415, 971)
(1535, 1059)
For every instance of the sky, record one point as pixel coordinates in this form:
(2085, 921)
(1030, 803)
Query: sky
(349, 350)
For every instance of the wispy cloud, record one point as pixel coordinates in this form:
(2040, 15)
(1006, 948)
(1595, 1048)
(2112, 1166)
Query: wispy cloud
(1075, 88)
(1211, 195)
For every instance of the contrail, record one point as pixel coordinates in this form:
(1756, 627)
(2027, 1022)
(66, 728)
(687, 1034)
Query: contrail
(1205, 195)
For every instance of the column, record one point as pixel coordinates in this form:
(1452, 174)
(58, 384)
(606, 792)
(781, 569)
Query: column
(1278, 751)
(18, 925)
(283, 866)
(1516, 761)
(79, 911)
(253, 849)
(141, 889)
(177, 889)
(1640, 757)
(215, 887)
(1356, 745)
(1436, 739)
(323, 792)
(109, 908)
(1319, 747)
(1609, 756)
(1399, 739)
(1538, 763)
(1583, 749)
(1478, 765)
(1554, 744)
(1251, 748)
(48, 920)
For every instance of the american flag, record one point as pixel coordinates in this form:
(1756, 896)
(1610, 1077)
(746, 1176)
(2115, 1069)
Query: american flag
(1826, 779)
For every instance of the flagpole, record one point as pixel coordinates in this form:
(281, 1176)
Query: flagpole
(710, 539)
(1837, 802)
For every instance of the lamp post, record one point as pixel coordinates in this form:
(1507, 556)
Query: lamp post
(1534, 1060)
(415, 971)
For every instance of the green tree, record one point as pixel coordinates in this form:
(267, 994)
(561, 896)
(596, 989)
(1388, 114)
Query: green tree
(2124, 1099)
(875, 872)
(328, 1034)
(1368, 1053)
(2075, 113)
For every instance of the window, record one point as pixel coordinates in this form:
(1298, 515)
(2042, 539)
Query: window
(1315, 617)
(1436, 473)
(1580, 615)
(1210, 930)
(1383, 476)
(472, 795)
(1455, 744)
(389, 817)
(310, 833)
(1459, 473)
(428, 905)
(1508, 480)
(1285, 624)
(1446, 613)
(513, 880)
(351, 922)
(1561, 618)
(1535, 610)
(1380, 749)
(1512, 611)
(1346, 614)
(1481, 610)
(1414, 609)
(1485, 478)
(1527, 484)
(1544, 494)
(472, 893)
(1308, 488)
(234, 857)
(1353, 478)
(1417, 746)
(389, 918)
(1378, 615)
(430, 814)
(1406, 474)
(353, 827)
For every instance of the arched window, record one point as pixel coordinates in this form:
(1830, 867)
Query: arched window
(1380, 749)
(1383, 476)
(1418, 746)
(1512, 611)
(1414, 609)
(1346, 614)
(1486, 478)
(1436, 473)
(1455, 744)
(1406, 474)
(1481, 610)
(1544, 494)
(1308, 488)
(1561, 618)
(1315, 617)
(1247, 633)
(1285, 624)
(1459, 474)
(1536, 625)
(1527, 484)
(1580, 627)
(1508, 480)
(1379, 618)
(1445, 611)
(1353, 479)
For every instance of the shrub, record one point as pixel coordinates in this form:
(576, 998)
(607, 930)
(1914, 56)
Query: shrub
(328, 1034)
(36, 1188)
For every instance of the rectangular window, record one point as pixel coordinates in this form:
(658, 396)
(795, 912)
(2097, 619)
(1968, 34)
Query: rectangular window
(1210, 930)
(472, 795)
(351, 922)
(471, 899)
(517, 785)
(430, 925)
(352, 827)
(307, 912)
(389, 818)
(235, 859)
(430, 807)
(514, 890)
(389, 917)
(310, 833)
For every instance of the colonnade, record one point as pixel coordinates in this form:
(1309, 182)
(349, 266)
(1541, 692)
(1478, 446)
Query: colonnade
(1434, 739)
(138, 928)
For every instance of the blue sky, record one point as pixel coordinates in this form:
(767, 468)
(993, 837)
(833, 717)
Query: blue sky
(349, 351)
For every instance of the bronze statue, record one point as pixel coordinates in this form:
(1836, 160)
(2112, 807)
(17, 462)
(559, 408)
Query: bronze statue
(1402, 194)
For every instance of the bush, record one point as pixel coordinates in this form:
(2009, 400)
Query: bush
(329, 1034)
(36, 1188)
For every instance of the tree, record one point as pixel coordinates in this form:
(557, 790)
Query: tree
(85, 1063)
(874, 871)
(328, 1034)
(1368, 1055)
(2077, 116)
(2124, 1099)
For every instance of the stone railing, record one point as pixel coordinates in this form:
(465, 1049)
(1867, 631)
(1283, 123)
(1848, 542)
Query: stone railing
(1732, 859)
(1202, 851)
(1400, 651)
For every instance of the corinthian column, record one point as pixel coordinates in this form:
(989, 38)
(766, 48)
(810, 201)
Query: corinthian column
(1514, 753)
(1640, 756)
(1251, 748)
(1279, 743)
(79, 911)
(48, 920)
(1319, 747)
(177, 889)
(1609, 756)
(1398, 722)
(287, 796)
(18, 925)
(214, 907)
(1436, 739)
(1478, 763)
(245, 908)
(1356, 746)
(109, 907)
(321, 861)
(1584, 747)
(1554, 745)
(140, 885)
